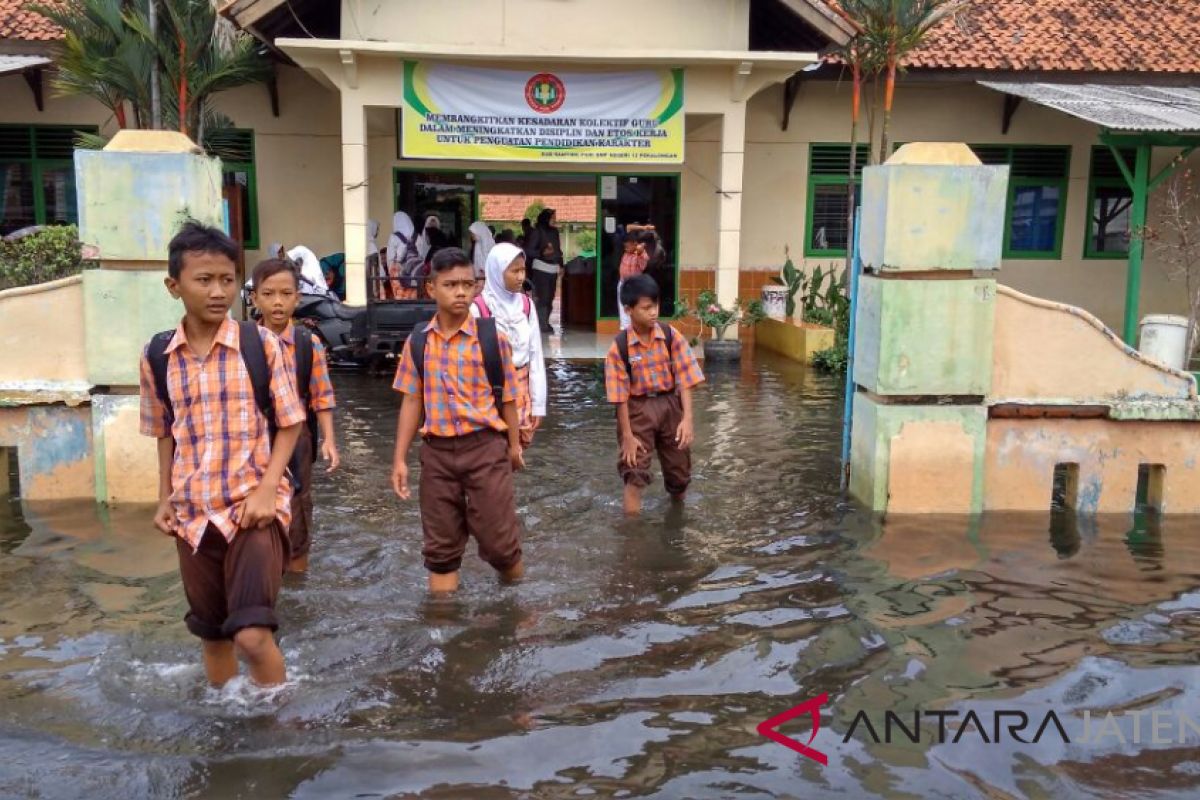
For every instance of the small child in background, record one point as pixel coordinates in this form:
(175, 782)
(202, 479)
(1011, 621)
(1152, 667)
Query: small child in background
(633, 262)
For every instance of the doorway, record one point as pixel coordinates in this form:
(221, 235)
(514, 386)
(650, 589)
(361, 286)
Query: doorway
(639, 200)
(592, 214)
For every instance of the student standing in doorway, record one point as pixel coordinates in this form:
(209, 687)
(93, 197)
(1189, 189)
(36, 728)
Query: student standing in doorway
(211, 392)
(504, 300)
(543, 246)
(457, 373)
(648, 375)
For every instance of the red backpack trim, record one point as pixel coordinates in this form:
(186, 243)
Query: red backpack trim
(486, 313)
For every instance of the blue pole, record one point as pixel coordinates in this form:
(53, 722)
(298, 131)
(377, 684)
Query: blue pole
(848, 409)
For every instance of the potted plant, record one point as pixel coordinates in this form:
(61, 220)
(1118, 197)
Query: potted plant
(713, 315)
(779, 296)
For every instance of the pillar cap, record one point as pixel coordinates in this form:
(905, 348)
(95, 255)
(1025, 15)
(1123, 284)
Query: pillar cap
(138, 141)
(936, 153)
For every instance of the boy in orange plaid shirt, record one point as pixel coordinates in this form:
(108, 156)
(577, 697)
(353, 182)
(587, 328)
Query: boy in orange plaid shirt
(649, 374)
(471, 446)
(276, 294)
(222, 490)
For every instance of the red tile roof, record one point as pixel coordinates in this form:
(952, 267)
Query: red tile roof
(18, 22)
(511, 207)
(1068, 35)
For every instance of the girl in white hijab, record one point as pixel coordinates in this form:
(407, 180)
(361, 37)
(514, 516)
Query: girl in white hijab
(312, 278)
(481, 234)
(423, 241)
(397, 246)
(515, 315)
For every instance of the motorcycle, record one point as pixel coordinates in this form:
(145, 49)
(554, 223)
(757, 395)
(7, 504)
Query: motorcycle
(325, 315)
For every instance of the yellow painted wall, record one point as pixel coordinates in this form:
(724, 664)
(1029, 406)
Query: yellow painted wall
(552, 25)
(41, 336)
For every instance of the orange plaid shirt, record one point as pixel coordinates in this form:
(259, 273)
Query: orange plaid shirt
(320, 387)
(222, 445)
(654, 369)
(458, 398)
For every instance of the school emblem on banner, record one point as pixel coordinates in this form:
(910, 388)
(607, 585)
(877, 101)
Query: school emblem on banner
(545, 93)
(481, 114)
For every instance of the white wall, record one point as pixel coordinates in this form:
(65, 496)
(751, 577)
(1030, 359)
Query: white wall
(550, 26)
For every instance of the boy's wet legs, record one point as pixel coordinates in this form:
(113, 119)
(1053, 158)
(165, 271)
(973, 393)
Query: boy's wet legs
(220, 661)
(262, 655)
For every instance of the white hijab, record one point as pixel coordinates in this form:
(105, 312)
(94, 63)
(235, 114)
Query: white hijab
(423, 245)
(507, 307)
(312, 279)
(372, 233)
(402, 225)
(484, 242)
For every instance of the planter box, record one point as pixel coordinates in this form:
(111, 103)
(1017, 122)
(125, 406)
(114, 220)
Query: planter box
(796, 340)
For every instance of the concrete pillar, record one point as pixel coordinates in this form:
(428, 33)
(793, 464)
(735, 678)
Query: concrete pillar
(729, 213)
(354, 196)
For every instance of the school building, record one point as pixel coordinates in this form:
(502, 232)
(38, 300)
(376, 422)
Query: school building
(722, 122)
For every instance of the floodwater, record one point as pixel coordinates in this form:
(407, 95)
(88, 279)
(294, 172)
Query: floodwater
(639, 657)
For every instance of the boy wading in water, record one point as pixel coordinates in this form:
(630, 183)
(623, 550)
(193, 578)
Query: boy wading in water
(457, 372)
(276, 295)
(211, 391)
(649, 374)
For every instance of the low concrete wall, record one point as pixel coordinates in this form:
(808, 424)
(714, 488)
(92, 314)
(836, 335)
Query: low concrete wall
(42, 337)
(797, 341)
(1047, 352)
(126, 461)
(1022, 454)
(54, 450)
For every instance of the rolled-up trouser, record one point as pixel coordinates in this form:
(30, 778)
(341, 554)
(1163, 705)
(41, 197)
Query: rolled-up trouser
(654, 421)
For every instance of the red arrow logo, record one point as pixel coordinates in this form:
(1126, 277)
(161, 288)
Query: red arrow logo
(813, 709)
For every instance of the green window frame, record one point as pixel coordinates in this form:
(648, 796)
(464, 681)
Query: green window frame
(1105, 178)
(41, 151)
(829, 166)
(1032, 167)
(235, 148)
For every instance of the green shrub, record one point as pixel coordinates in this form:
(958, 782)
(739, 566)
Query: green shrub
(832, 359)
(51, 253)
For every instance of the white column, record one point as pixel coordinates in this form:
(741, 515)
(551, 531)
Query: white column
(354, 196)
(729, 213)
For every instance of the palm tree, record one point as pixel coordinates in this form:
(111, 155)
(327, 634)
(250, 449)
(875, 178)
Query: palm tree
(890, 30)
(110, 51)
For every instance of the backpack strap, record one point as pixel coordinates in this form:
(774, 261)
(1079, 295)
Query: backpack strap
(304, 365)
(489, 343)
(255, 359)
(484, 311)
(304, 361)
(156, 354)
(416, 347)
(527, 303)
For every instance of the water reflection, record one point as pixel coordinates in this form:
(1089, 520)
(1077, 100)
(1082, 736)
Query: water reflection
(641, 654)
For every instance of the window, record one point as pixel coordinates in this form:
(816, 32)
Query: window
(37, 175)
(235, 148)
(1037, 197)
(1109, 202)
(828, 211)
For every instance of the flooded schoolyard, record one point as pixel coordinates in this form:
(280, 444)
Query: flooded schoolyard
(639, 657)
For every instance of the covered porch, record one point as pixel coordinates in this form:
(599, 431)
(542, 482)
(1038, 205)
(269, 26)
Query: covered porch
(369, 78)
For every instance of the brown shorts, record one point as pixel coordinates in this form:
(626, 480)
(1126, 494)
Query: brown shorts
(300, 532)
(233, 585)
(654, 421)
(467, 490)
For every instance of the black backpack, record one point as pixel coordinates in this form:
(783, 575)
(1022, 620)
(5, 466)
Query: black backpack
(255, 359)
(623, 348)
(489, 343)
(304, 362)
